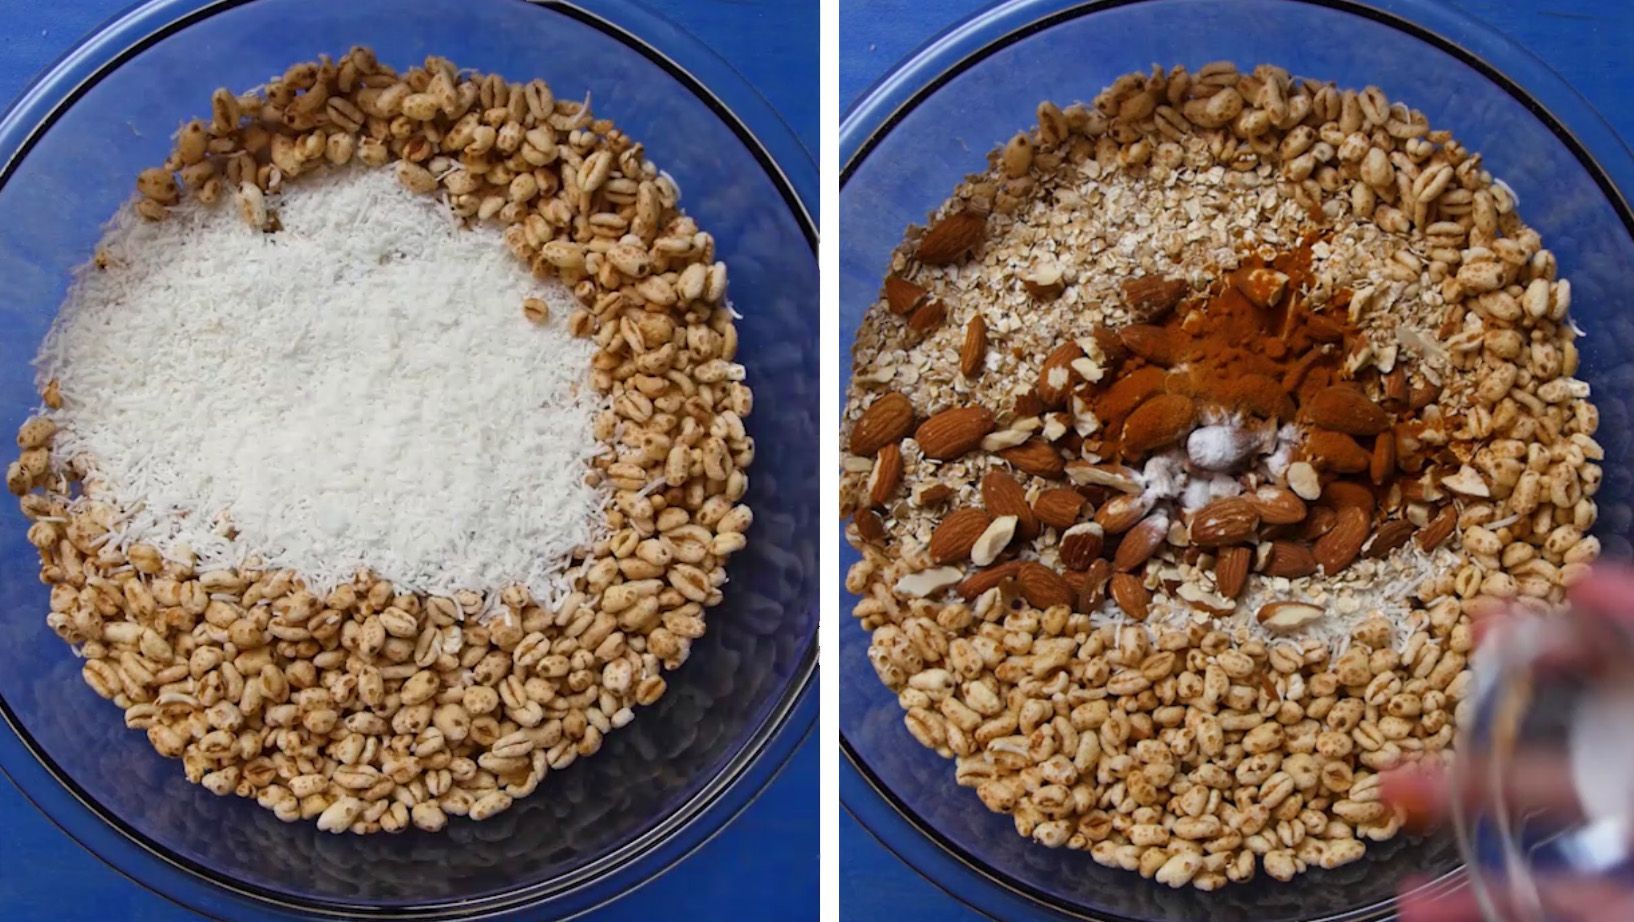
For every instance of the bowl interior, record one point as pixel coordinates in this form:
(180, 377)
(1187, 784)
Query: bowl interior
(943, 134)
(721, 706)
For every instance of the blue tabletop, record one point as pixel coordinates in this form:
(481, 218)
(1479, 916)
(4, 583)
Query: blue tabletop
(1586, 41)
(764, 865)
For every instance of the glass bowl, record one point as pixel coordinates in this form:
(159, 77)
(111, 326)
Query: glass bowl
(931, 122)
(662, 786)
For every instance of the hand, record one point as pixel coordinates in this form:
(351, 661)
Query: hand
(1533, 782)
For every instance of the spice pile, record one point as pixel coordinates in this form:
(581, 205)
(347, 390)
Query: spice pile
(253, 634)
(1181, 446)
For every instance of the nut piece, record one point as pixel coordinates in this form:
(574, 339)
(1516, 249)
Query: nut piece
(1302, 479)
(1058, 508)
(1287, 617)
(1289, 560)
(1263, 287)
(1081, 545)
(1112, 476)
(1231, 570)
(1131, 595)
(1438, 529)
(902, 296)
(1042, 587)
(1002, 495)
(1391, 535)
(1161, 421)
(974, 350)
(951, 433)
(1338, 548)
(1344, 408)
(886, 420)
(1151, 297)
(1384, 458)
(954, 538)
(870, 527)
(1230, 520)
(1467, 482)
(886, 476)
(927, 583)
(1141, 542)
(952, 238)
(993, 541)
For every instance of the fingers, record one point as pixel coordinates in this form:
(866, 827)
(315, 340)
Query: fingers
(1608, 591)
(1456, 906)
(1531, 782)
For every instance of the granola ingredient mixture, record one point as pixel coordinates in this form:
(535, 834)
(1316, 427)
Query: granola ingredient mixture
(1182, 445)
(368, 706)
(344, 394)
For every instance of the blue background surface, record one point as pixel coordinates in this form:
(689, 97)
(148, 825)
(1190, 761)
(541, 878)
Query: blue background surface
(1586, 41)
(764, 865)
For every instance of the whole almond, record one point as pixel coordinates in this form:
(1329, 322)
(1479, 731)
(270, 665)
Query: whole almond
(1289, 560)
(1150, 297)
(1328, 450)
(1161, 421)
(1318, 522)
(1120, 513)
(1130, 391)
(927, 317)
(984, 579)
(956, 534)
(1153, 343)
(1287, 617)
(1141, 542)
(1342, 493)
(1254, 393)
(902, 296)
(1081, 545)
(1042, 587)
(870, 527)
(1391, 535)
(1228, 520)
(1131, 595)
(1383, 463)
(1037, 457)
(1438, 529)
(974, 350)
(953, 432)
(1344, 408)
(886, 420)
(886, 476)
(1059, 508)
(1339, 547)
(1279, 506)
(1002, 495)
(952, 238)
(993, 541)
(1055, 376)
(1231, 570)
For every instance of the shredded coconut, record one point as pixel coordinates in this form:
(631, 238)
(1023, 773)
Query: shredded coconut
(357, 391)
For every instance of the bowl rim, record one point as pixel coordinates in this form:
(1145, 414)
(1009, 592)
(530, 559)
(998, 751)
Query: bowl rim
(967, 42)
(787, 722)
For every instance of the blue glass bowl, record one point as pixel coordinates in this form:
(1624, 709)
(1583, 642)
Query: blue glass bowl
(69, 151)
(932, 120)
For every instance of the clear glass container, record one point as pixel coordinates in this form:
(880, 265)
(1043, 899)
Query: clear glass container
(69, 151)
(932, 120)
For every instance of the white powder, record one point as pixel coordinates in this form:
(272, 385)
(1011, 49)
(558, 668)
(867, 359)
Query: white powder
(358, 390)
